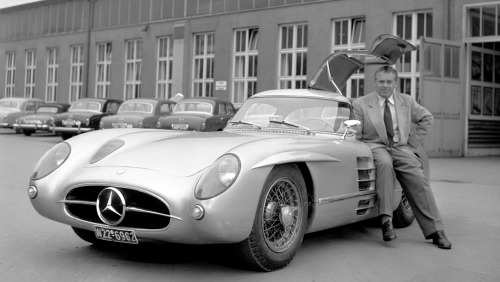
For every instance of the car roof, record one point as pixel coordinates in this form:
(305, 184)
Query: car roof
(150, 100)
(214, 99)
(101, 100)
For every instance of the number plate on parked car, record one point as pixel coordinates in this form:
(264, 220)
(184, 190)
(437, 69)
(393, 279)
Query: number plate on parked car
(182, 126)
(115, 235)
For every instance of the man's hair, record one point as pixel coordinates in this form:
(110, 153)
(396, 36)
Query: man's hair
(386, 69)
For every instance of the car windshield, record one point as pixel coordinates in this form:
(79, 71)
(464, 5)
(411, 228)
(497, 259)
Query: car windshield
(136, 107)
(85, 106)
(51, 110)
(294, 113)
(10, 104)
(189, 106)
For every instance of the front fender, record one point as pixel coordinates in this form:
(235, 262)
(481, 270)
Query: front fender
(293, 157)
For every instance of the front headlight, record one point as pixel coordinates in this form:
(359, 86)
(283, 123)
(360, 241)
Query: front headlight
(52, 159)
(219, 177)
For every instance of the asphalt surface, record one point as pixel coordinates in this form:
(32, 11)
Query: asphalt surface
(467, 192)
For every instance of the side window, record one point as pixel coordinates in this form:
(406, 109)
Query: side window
(230, 109)
(30, 106)
(222, 109)
(112, 108)
(165, 109)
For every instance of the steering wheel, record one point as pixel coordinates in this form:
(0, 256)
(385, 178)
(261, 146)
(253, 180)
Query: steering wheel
(323, 123)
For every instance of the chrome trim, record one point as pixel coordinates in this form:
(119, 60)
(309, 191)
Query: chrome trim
(152, 212)
(344, 197)
(77, 202)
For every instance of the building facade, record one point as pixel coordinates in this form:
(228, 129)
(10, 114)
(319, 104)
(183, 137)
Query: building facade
(63, 50)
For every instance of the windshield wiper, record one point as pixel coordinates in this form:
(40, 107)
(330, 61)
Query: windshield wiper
(290, 123)
(247, 123)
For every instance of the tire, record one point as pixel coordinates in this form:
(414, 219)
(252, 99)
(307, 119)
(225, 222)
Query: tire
(66, 136)
(403, 216)
(280, 221)
(27, 132)
(85, 235)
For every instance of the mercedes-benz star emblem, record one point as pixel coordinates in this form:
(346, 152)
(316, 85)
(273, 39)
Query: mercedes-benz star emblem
(111, 206)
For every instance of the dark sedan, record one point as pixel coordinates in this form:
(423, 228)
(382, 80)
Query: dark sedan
(42, 120)
(138, 113)
(84, 115)
(199, 114)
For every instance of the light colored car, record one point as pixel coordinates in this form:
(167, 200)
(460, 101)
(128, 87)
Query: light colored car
(13, 108)
(138, 113)
(41, 120)
(198, 114)
(287, 164)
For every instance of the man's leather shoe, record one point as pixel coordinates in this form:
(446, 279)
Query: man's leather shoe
(388, 232)
(439, 239)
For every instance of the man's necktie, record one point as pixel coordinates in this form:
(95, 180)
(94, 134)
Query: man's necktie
(388, 122)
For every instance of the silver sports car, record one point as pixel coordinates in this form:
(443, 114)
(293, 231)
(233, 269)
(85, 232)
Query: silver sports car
(287, 164)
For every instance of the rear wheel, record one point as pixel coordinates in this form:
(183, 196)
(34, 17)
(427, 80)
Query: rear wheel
(279, 223)
(403, 216)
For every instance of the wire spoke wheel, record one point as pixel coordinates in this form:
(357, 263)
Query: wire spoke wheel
(281, 215)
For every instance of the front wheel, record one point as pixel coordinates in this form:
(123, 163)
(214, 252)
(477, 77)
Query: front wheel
(403, 216)
(280, 221)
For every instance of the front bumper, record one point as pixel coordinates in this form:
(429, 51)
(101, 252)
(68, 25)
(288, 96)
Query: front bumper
(223, 222)
(76, 130)
(42, 127)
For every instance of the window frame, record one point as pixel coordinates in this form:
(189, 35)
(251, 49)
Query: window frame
(295, 51)
(76, 73)
(244, 74)
(10, 73)
(133, 69)
(30, 70)
(164, 67)
(203, 65)
(103, 65)
(52, 75)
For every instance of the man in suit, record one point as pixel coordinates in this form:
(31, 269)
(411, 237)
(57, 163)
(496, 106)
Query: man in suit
(386, 126)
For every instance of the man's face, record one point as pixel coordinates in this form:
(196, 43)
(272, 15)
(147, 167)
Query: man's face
(385, 84)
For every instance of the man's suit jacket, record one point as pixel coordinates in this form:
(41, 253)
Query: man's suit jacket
(408, 111)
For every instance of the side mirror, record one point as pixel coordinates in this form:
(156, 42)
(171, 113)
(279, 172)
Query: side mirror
(349, 124)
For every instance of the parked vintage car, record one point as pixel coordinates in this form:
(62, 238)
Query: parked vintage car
(84, 115)
(287, 164)
(198, 114)
(138, 113)
(13, 108)
(41, 120)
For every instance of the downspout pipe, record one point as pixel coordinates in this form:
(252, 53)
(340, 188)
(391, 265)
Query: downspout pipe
(89, 33)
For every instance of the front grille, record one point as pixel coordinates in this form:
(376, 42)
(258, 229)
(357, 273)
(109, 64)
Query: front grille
(143, 210)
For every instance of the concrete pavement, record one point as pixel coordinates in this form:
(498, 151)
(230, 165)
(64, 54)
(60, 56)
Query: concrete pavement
(478, 170)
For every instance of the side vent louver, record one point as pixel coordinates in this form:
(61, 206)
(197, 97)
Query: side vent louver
(366, 174)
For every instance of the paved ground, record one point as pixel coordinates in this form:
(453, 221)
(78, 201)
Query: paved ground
(479, 170)
(467, 191)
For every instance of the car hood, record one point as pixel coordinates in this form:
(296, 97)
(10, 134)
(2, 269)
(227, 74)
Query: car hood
(6, 111)
(178, 153)
(337, 68)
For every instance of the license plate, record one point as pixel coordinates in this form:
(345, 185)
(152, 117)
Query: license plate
(115, 235)
(182, 126)
(68, 122)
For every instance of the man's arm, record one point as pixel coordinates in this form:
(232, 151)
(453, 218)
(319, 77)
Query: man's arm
(423, 120)
(358, 115)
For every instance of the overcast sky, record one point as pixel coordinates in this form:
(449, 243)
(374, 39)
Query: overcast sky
(9, 3)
